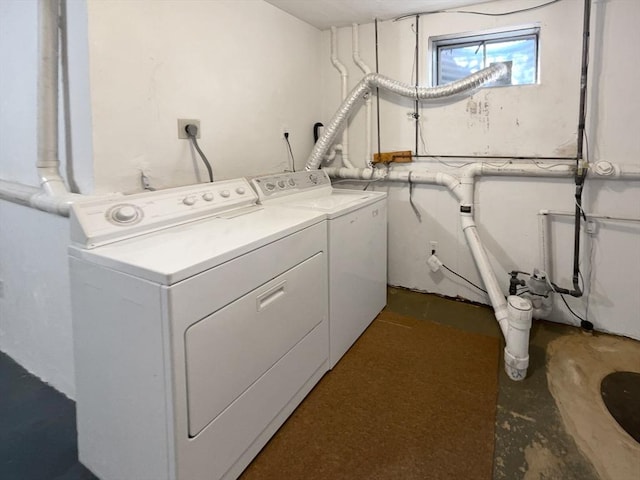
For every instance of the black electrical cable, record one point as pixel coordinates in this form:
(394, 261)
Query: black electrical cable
(293, 160)
(192, 133)
(413, 206)
(465, 279)
(377, 90)
(416, 113)
(582, 320)
(581, 172)
(470, 12)
(316, 128)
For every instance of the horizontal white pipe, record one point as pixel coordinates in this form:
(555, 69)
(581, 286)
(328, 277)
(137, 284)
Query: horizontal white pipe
(17, 192)
(471, 171)
(37, 198)
(519, 169)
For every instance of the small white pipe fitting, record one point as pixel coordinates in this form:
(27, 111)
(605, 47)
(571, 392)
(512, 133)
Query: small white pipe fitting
(613, 170)
(332, 152)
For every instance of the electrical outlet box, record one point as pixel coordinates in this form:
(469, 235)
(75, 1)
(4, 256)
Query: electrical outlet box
(591, 227)
(183, 122)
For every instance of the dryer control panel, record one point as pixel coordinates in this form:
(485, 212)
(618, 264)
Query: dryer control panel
(283, 184)
(106, 220)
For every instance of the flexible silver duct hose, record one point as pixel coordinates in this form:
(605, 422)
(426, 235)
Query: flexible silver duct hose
(373, 80)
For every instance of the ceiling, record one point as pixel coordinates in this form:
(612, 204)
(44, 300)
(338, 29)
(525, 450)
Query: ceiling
(324, 14)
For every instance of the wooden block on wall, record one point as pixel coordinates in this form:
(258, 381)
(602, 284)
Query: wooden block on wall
(388, 157)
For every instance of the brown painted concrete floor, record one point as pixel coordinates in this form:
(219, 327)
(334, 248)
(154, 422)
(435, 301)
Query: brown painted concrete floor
(531, 441)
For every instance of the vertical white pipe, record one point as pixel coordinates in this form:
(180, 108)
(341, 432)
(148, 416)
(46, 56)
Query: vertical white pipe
(344, 77)
(48, 163)
(366, 70)
(543, 231)
(516, 351)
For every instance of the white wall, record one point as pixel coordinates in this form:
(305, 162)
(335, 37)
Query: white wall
(35, 317)
(539, 120)
(244, 68)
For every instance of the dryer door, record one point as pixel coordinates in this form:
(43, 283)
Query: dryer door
(231, 349)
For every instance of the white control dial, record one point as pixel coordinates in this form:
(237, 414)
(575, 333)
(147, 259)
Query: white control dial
(281, 183)
(190, 200)
(292, 182)
(314, 178)
(270, 186)
(124, 214)
(207, 197)
(240, 190)
(225, 193)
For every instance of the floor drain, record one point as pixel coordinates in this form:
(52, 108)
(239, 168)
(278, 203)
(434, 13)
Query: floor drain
(621, 394)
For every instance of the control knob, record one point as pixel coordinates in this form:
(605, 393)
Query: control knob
(270, 186)
(124, 214)
(225, 193)
(292, 182)
(207, 197)
(240, 190)
(281, 183)
(313, 178)
(190, 200)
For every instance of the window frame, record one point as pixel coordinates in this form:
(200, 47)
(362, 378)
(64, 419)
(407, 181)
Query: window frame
(436, 43)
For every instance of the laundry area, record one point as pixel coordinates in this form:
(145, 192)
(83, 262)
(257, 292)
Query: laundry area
(280, 239)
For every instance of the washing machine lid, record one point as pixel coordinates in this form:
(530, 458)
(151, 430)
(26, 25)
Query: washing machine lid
(337, 202)
(174, 254)
(311, 190)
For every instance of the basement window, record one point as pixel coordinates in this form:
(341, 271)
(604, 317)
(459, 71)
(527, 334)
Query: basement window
(455, 57)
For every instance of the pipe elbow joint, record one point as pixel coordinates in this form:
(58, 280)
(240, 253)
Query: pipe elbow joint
(59, 205)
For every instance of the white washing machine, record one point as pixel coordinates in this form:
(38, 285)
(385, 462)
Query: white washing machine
(200, 322)
(357, 238)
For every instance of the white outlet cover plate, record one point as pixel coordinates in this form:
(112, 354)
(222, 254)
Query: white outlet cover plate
(183, 122)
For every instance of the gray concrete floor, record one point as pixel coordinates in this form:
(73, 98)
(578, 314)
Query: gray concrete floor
(37, 438)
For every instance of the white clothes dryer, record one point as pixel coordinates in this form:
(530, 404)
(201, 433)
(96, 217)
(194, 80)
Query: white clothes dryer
(357, 239)
(200, 322)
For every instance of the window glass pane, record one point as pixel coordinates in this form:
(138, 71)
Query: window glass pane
(456, 58)
(456, 62)
(522, 54)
